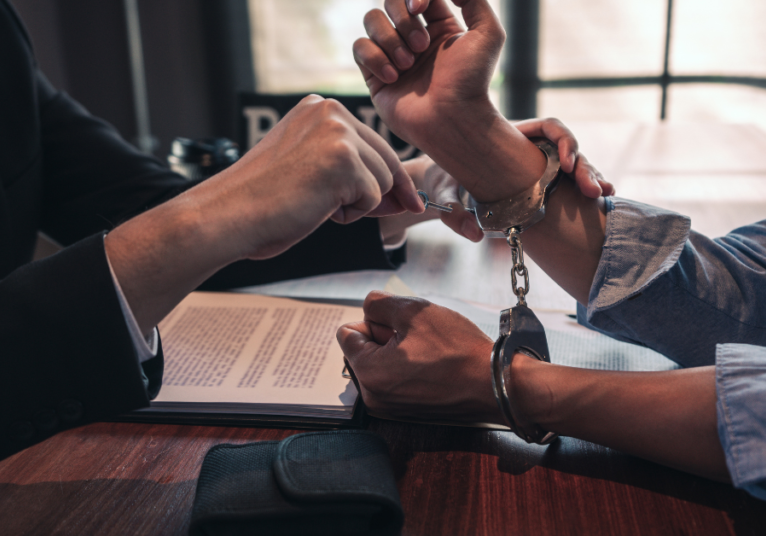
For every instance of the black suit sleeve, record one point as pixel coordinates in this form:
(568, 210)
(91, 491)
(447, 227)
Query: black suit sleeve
(94, 180)
(68, 358)
(65, 351)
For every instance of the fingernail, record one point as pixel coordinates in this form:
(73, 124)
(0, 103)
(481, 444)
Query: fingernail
(418, 40)
(389, 74)
(413, 5)
(404, 58)
(572, 158)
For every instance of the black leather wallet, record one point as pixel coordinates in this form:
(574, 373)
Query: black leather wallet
(320, 483)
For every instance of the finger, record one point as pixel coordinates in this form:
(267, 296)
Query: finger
(375, 163)
(438, 11)
(393, 311)
(408, 25)
(356, 341)
(459, 220)
(478, 15)
(383, 34)
(416, 7)
(586, 177)
(374, 84)
(360, 199)
(381, 334)
(403, 191)
(373, 61)
(463, 223)
(607, 188)
(558, 133)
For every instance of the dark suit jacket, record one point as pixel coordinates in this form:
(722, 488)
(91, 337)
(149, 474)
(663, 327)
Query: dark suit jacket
(66, 356)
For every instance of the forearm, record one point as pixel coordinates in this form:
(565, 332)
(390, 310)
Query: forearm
(667, 417)
(497, 161)
(486, 154)
(161, 256)
(567, 243)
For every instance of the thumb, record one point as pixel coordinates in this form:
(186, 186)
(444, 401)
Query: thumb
(479, 15)
(356, 340)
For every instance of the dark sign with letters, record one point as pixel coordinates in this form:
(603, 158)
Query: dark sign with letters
(259, 114)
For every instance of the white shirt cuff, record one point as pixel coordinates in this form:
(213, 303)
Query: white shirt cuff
(146, 347)
(396, 245)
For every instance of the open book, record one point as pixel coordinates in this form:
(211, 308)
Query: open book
(248, 359)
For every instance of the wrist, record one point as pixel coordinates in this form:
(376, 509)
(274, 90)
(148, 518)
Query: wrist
(529, 392)
(486, 154)
(158, 257)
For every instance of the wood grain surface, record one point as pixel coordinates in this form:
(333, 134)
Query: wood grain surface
(128, 479)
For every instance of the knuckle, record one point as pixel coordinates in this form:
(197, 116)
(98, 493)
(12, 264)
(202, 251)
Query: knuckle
(340, 152)
(360, 48)
(409, 307)
(373, 297)
(311, 100)
(332, 107)
(333, 128)
(371, 17)
(554, 121)
(502, 35)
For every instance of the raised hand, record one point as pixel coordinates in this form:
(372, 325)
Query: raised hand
(416, 75)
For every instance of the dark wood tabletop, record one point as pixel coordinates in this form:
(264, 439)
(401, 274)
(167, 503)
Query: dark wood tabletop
(131, 479)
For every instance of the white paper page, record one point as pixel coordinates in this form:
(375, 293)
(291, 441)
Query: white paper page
(224, 348)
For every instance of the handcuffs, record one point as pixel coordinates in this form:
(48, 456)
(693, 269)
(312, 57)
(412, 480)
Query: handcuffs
(520, 329)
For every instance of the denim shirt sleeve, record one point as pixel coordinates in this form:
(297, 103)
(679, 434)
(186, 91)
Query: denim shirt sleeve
(741, 409)
(661, 285)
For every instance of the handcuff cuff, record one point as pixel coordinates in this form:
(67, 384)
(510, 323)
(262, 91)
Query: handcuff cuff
(520, 329)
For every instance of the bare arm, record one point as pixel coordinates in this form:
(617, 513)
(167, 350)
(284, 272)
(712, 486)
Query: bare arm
(442, 373)
(667, 417)
(258, 207)
(440, 103)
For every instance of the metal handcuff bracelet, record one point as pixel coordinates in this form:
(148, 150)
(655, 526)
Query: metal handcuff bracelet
(520, 329)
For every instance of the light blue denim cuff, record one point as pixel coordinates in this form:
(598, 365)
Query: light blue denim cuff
(741, 408)
(642, 243)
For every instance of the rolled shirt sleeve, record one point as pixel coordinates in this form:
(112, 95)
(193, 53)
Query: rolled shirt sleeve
(741, 409)
(661, 285)
(699, 301)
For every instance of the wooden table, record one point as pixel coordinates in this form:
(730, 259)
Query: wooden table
(130, 479)
(116, 478)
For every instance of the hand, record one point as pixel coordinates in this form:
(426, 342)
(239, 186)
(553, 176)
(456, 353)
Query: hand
(589, 180)
(318, 162)
(441, 188)
(414, 359)
(416, 75)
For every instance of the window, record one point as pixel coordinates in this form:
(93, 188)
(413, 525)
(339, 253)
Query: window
(302, 46)
(597, 60)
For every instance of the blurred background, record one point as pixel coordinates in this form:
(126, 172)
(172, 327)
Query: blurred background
(164, 68)
(667, 97)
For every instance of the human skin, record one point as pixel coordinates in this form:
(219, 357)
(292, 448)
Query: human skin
(318, 163)
(414, 359)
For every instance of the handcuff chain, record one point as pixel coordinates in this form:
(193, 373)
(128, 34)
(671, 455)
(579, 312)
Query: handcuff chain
(518, 268)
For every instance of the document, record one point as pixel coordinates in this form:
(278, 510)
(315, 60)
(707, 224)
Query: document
(245, 353)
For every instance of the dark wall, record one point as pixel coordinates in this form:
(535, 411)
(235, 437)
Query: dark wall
(196, 54)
